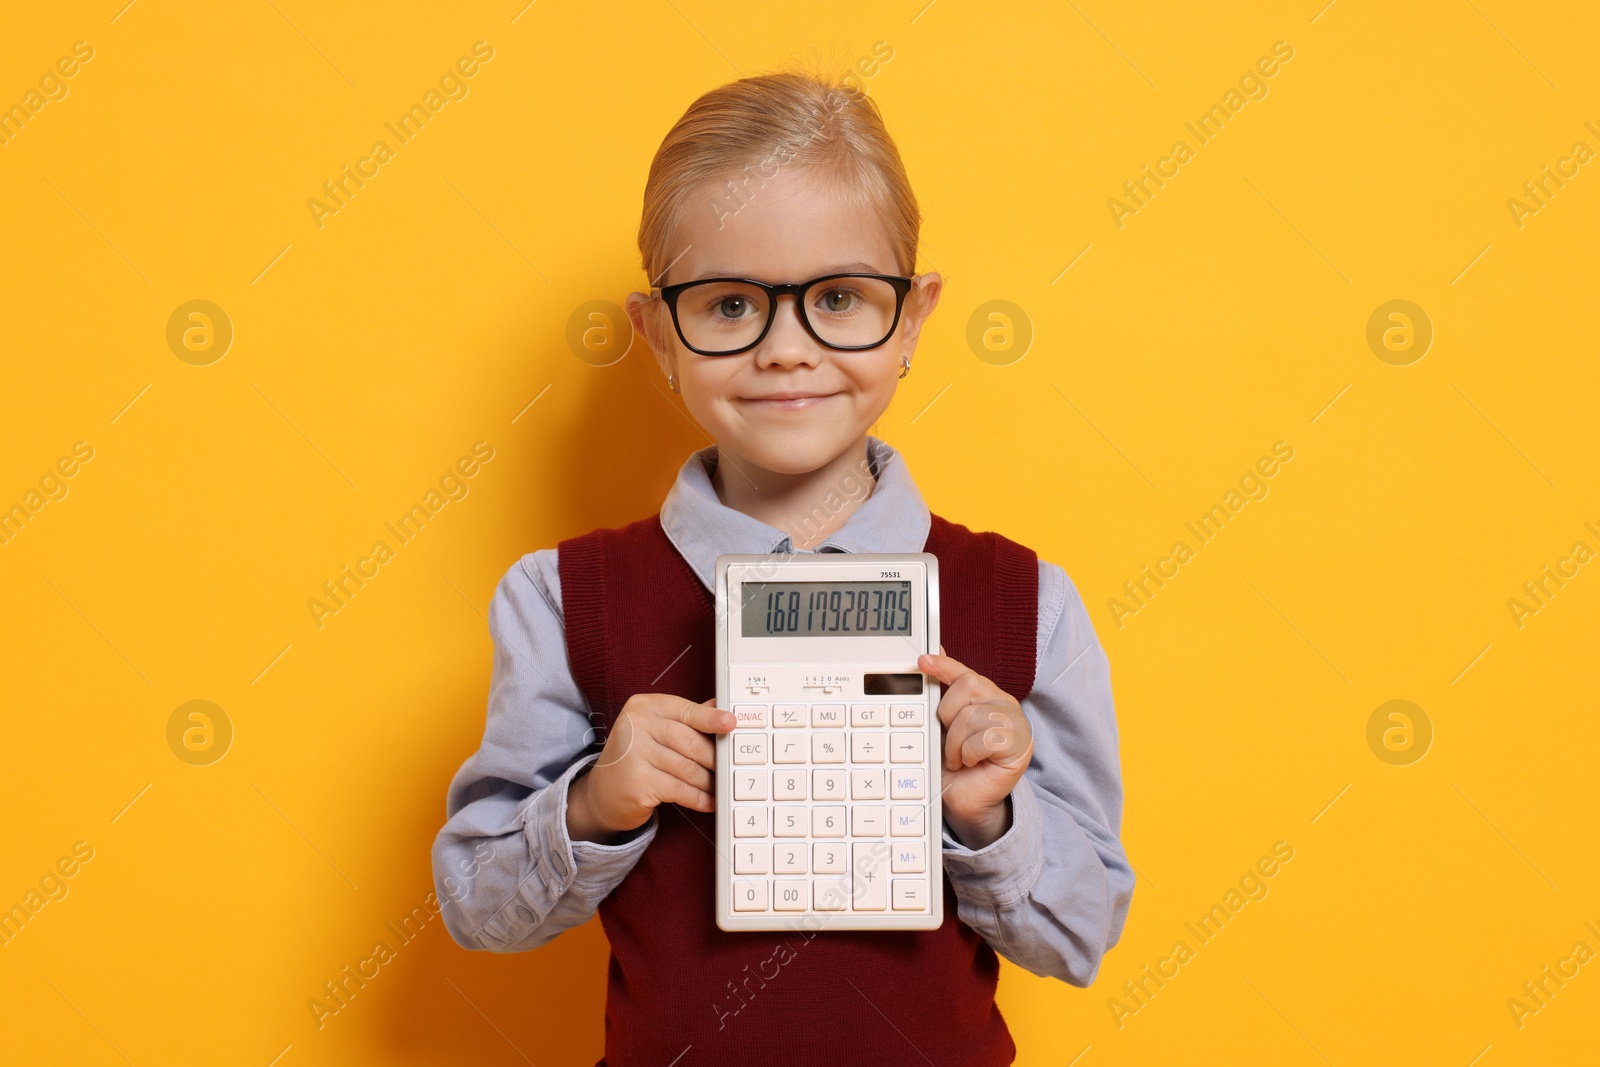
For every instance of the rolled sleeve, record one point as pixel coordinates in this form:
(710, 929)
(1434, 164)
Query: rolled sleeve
(507, 873)
(566, 880)
(1008, 867)
(1051, 894)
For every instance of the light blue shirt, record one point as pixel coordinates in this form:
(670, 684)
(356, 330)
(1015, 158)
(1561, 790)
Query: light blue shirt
(1050, 894)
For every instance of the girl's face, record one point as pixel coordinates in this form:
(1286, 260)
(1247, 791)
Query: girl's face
(790, 405)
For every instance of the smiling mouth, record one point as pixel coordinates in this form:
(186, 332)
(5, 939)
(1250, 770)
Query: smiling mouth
(788, 401)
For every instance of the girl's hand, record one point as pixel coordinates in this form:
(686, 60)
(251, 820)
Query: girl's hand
(658, 752)
(987, 745)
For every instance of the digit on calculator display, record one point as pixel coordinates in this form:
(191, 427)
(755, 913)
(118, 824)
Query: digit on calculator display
(816, 609)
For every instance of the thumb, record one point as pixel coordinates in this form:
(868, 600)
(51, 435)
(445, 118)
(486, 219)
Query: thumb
(942, 667)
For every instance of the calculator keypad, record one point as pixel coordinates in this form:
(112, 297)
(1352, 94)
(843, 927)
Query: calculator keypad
(830, 807)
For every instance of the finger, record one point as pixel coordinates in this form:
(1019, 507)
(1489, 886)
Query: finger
(955, 738)
(620, 742)
(962, 685)
(675, 790)
(706, 718)
(690, 743)
(995, 736)
(943, 668)
(680, 766)
(969, 690)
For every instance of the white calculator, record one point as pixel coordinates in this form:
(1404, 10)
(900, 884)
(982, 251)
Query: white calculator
(828, 786)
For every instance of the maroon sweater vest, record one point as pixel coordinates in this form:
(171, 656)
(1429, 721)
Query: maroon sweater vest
(684, 992)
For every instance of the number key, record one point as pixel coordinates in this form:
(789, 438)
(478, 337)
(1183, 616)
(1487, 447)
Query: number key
(788, 785)
(827, 820)
(749, 894)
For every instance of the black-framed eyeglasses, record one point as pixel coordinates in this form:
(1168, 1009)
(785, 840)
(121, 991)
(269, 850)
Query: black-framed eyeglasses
(726, 316)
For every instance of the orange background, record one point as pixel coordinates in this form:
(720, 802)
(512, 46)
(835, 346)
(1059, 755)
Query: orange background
(1167, 355)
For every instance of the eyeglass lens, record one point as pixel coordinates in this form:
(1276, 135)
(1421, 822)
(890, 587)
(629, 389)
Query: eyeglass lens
(726, 316)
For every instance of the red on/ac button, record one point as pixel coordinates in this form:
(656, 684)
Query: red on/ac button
(751, 715)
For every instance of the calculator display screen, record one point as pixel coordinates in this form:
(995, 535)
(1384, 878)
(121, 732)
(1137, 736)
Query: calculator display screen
(826, 609)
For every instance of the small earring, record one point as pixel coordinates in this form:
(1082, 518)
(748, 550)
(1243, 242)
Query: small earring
(672, 382)
(905, 366)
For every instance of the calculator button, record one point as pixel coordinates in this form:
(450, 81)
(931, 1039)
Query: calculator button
(790, 748)
(869, 875)
(867, 820)
(909, 857)
(907, 714)
(750, 748)
(827, 857)
(827, 785)
(866, 785)
(867, 715)
(789, 894)
(788, 785)
(750, 785)
(827, 820)
(751, 858)
(789, 715)
(827, 746)
(866, 746)
(910, 894)
(789, 820)
(827, 715)
(830, 894)
(909, 783)
(788, 859)
(749, 820)
(749, 894)
(905, 820)
(750, 716)
(907, 747)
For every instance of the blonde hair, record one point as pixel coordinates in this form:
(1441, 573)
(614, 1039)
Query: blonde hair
(744, 132)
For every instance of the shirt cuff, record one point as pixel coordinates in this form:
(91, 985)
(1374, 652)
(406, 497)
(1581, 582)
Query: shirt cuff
(1007, 868)
(563, 861)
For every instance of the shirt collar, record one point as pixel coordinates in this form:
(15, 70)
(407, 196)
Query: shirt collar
(893, 518)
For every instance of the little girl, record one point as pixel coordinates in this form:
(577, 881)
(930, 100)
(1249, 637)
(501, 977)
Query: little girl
(781, 233)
